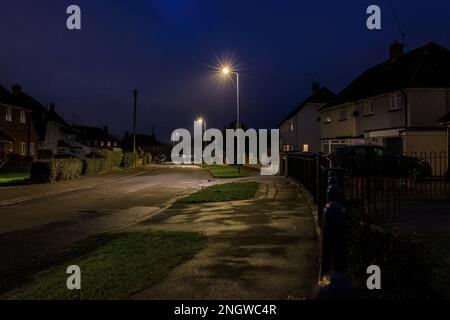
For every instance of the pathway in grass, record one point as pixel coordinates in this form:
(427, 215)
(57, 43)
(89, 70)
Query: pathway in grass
(113, 266)
(228, 171)
(224, 192)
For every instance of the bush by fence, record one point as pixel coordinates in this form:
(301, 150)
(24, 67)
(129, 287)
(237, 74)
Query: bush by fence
(115, 158)
(146, 158)
(16, 164)
(129, 159)
(56, 169)
(95, 166)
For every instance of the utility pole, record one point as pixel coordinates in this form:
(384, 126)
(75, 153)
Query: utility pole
(134, 122)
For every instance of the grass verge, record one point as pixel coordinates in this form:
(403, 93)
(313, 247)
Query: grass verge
(229, 171)
(7, 178)
(113, 266)
(223, 192)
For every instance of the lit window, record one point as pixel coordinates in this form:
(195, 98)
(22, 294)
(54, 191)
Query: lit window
(32, 148)
(102, 144)
(23, 117)
(305, 148)
(109, 143)
(22, 148)
(397, 102)
(8, 114)
(368, 108)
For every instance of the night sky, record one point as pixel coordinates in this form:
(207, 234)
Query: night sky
(168, 49)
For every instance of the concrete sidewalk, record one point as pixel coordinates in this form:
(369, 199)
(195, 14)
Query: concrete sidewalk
(20, 193)
(258, 249)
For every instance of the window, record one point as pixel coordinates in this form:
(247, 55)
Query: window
(287, 126)
(109, 143)
(23, 117)
(22, 149)
(343, 115)
(305, 148)
(397, 102)
(32, 148)
(8, 114)
(368, 108)
(286, 148)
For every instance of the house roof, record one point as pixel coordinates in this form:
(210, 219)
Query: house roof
(425, 67)
(142, 140)
(323, 95)
(88, 133)
(8, 98)
(40, 114)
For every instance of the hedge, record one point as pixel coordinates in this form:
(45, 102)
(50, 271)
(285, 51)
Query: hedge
(114, 157)
(92, 167)
(146, 158)
(129, 159)
(56, 170)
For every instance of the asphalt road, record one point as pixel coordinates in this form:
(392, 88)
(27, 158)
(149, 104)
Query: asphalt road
(40, 226)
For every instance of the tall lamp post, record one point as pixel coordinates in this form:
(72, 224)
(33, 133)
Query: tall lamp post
(227, 71)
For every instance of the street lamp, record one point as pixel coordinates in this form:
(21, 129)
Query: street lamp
(202, 122)
(226, 70)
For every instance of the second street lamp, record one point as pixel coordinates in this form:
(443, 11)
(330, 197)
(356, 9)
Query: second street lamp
(227, 71)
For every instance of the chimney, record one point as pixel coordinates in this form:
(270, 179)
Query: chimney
(396, 51)
(105, 128)
(16, 89)
(153, 133)
(315, 87)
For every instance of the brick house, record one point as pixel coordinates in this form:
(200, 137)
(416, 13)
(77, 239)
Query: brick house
(396, 104)
(17, 132)
(53, 131)
(300, 130)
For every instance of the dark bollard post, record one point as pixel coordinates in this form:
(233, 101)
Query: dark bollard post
(333, 241)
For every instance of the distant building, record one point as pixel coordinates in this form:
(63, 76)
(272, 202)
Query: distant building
(94, 137)
(17, 133)
(53, 132)
(145, 143)
(300, 130)
(396, 104)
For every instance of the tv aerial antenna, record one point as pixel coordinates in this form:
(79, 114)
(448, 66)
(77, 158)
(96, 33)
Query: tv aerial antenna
(397, 21)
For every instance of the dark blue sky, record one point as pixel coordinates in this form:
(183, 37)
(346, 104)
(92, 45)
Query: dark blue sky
(167, 49)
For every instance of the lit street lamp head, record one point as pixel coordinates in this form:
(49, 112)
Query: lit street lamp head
(226, 70)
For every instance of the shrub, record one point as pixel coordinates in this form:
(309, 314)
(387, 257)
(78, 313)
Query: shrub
(56, 170)
(114, 157)
(93, 167)
(146, 158)
(129, 160)
(17, 164)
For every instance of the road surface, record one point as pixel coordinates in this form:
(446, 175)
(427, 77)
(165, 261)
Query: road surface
(45, 225)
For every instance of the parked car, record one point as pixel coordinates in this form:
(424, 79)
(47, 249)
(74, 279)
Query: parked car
(161, 158)
(363, 160)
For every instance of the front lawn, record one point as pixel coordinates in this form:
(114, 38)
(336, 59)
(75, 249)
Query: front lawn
(438, 275)
(113, 266)
(6, 178)
(229, 171)
(224, 192)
